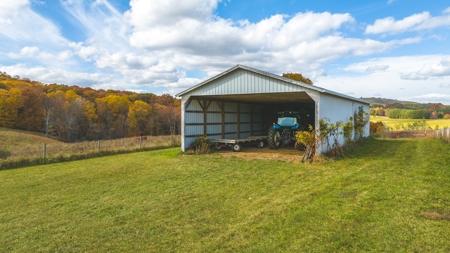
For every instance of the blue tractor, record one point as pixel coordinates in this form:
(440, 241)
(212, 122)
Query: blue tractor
(283, 132)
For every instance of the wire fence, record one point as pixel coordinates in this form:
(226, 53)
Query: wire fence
(59, 149)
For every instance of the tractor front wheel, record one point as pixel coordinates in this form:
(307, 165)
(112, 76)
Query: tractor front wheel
(274, 138)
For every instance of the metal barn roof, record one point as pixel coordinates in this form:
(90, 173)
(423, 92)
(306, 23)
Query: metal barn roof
(257, 90)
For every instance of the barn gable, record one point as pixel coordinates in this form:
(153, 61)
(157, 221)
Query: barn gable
(245, 80)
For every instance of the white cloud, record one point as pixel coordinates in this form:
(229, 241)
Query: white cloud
(429, 98)
(145, 13)
(35, 53)
(155, 43)
(430, 70)
(413, 76)
(214, 36)
(23, 26)
(279, 43)
(435, 70)
(390, 25)
(389, 82)
(10, 9)
(56, 75)
(25, 52)
(415, 22)
(377, 68)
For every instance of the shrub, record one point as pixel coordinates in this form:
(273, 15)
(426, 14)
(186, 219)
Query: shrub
(361, 119)
(201, 145)
(347, 130)
(375, 125)
(310, 140)
(4, 153)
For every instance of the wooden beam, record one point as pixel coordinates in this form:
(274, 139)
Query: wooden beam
(238, 120)
(200, 102)
(187, 104)
(251, 120)
(205, 106)
(263, 119)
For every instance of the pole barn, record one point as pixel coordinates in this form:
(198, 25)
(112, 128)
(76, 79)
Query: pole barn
(244, 101)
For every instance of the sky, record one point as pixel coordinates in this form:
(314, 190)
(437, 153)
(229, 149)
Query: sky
(398, 49)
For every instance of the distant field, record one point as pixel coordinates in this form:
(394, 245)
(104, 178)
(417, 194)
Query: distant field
(386, 196)
(441, 123)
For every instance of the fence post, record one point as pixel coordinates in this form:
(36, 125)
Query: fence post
(45, 151)
(140, 142)
(98, 145)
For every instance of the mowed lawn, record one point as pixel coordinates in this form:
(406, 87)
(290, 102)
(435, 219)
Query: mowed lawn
(387, 196)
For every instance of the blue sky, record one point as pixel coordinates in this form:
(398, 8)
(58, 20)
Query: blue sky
(388, 48)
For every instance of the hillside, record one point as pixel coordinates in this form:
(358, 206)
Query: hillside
(73, 113)
(20, 148)
(386, 101)
(12, 138)
(386, 196)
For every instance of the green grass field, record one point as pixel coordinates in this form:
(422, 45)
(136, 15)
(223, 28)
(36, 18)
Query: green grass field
(441, 123)
(386, 196)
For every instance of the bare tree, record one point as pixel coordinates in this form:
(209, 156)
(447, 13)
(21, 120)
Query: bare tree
(47, 106)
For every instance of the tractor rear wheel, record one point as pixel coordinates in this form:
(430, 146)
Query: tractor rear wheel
(274, 138)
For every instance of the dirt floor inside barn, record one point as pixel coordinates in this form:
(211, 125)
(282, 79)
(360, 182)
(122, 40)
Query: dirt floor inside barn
(289, 154)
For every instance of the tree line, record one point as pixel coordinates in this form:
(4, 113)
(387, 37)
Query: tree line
(72, 113)
(412, 111)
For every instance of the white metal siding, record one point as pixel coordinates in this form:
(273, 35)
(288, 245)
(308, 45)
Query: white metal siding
(335, 108)
(194, 130)
(194, 117)
(213, 117)
(338, 109)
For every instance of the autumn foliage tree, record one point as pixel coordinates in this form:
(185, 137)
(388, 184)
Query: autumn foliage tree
(297, 77)
(139, 117)
(9, 107)
(72, 113)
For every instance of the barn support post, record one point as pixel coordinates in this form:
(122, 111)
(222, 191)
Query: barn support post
(264, 122)
(222, 114)
(251, 120)
(185, 101)
(316, 98)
